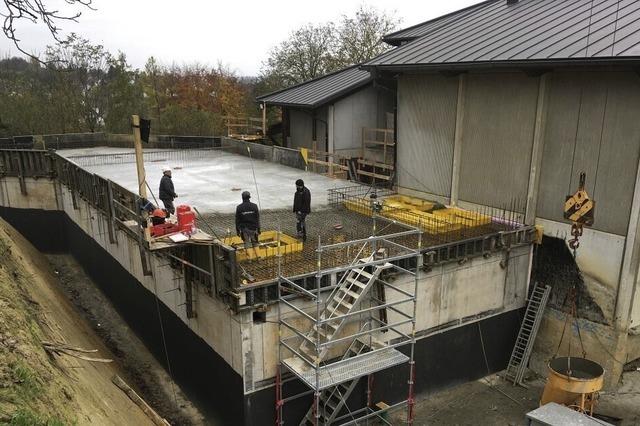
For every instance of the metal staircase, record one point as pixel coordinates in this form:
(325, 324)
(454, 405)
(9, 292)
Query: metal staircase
(334, 399)
(527, 335)
(343, 343)
(345, 299)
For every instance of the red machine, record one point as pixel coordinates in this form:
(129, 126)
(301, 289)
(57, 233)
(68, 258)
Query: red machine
(186, 222)
(186, 219)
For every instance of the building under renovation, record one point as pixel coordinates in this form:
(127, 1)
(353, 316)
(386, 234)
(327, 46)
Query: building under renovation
(402, 289)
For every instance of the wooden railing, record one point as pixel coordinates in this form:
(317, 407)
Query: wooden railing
(377, 156)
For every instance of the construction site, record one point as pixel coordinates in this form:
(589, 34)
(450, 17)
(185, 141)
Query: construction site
(473, 225)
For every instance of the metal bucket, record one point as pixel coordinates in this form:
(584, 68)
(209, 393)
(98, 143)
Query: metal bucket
(573, 382)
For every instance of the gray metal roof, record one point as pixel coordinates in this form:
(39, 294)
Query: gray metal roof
(321, 90)
(411, 33)
(528, 32)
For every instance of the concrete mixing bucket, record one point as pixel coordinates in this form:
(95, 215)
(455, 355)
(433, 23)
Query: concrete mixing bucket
(572, 381)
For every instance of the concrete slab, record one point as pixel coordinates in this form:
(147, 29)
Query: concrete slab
(212, 180)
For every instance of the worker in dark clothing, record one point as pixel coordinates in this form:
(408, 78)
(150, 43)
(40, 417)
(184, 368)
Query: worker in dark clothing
(248, 221)
(301, 207)
(166, 193)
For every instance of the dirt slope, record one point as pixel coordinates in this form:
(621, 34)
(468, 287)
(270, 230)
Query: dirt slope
(37, 388)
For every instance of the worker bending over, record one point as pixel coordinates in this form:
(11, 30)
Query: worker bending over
(248, 221)
(166, 193)
(301, 207)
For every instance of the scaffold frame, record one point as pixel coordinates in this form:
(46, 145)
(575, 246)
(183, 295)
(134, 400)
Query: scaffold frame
(316, 355)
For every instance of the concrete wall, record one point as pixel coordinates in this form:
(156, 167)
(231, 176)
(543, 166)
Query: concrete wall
(364, 108)
(301, 128)
(426, 127)
(592, 126)
(213, 324)
(581, 120)
(497, 136)
(449, 296)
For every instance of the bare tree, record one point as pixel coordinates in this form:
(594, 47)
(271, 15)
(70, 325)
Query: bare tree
(14, 12)
(360, 36)
(308, 53)
(315, 50)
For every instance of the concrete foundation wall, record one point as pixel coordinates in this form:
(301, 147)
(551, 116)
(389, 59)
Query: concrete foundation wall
(214, 324)
(449, 296)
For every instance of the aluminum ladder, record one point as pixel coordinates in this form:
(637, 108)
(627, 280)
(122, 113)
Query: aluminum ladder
(527, 335)
(344, 299)
(334, 399)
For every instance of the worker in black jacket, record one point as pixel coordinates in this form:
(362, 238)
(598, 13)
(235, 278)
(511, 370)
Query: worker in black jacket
(166, 192)
(301, 207)
(248, 221)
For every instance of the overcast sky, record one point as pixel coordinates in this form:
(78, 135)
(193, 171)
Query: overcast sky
(237, 33)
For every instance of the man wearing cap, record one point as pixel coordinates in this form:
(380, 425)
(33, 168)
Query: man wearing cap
(301, 207)
(248, 221)
(166, 193)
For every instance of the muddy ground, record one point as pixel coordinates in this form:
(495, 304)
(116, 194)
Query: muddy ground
(54, 370)
(147, 374)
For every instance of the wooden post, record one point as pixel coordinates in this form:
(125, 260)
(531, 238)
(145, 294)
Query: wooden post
(458, 140)
(264, 120)
(315, 155)
(142, 180)
(536, 151)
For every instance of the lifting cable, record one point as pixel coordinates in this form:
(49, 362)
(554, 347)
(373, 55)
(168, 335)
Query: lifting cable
(162, 332)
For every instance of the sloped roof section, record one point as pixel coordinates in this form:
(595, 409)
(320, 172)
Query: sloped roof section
(526, 32)
(319, 91)
(411, 33)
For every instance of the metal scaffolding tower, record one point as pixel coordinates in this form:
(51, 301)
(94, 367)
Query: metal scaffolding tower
(350, 325)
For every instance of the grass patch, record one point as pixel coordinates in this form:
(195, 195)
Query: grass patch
(25, 379)
(24, 417)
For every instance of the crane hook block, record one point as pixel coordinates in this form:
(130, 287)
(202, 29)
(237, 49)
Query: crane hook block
(579, 208)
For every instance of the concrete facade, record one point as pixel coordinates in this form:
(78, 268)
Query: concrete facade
(522, 141)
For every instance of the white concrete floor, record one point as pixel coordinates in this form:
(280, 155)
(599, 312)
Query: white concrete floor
(213, 180)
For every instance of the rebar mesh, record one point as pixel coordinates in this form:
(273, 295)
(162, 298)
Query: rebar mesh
(150, 156)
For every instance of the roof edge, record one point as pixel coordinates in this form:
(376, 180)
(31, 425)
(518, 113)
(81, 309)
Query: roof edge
(325, 101)
(391, 36)
(259, 98)
(461, 66)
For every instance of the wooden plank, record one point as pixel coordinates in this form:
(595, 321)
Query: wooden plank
(379, 142)
(153, 416)
(374, 175)
(328, 163)
(376, 164)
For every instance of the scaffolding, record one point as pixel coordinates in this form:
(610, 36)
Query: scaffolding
(353, 327)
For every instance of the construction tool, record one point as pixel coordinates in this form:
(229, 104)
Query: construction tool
(579, 209)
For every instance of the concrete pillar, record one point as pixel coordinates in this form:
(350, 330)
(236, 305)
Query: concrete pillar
(537, 149)
(330, 136)
(457, 139)
(627, 286)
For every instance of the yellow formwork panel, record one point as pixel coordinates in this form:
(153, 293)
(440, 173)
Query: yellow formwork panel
(418, 212)
(269, 245)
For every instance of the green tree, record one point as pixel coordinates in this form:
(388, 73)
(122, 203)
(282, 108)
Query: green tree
(82, 75)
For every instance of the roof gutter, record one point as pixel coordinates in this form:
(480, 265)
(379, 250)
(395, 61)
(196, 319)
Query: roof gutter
(486, 65)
